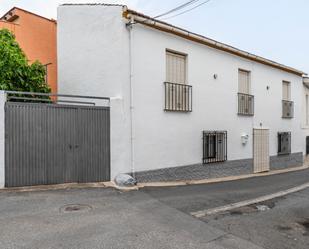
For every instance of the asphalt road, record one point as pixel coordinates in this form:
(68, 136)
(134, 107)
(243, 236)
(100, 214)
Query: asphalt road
(199, 197)
(106, 219)
(284, 226)
(156, 217)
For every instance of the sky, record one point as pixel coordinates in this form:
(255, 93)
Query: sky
(277, 29)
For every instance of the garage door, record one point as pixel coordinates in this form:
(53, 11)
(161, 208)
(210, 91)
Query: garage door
(53, 144)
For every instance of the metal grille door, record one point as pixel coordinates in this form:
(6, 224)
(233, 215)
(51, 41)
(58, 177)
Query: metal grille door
(261, 150)
(54, 144)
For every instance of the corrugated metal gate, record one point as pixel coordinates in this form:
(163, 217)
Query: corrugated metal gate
(54, 144)
(261, 150)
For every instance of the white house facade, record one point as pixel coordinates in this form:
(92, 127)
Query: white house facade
(182, 105)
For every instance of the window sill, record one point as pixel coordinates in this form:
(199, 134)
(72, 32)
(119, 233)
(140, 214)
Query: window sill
(245, 114)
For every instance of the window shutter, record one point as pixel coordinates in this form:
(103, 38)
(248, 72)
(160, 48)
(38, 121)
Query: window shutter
(286, 91)
(243, 82)
(175, 68)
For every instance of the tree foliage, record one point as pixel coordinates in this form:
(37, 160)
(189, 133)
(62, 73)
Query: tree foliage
(16, 74)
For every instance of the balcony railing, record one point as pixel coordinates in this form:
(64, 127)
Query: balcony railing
(245, 104)
(287, 109)
(178, 97)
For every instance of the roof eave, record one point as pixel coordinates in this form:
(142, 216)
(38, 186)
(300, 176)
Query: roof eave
(166, 27)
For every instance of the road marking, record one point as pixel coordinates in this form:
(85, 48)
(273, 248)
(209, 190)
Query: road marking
(232, 206)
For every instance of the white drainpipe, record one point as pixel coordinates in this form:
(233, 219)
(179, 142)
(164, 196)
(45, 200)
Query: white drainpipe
(130, 28)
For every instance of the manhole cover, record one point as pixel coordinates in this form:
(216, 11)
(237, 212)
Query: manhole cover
(71, 208)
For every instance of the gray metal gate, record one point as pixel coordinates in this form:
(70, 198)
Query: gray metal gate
(54, 144)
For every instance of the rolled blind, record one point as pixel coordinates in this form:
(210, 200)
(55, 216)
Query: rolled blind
(243, 82)
(286, 92)
(175, 68)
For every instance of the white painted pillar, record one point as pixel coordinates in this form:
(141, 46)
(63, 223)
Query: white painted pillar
(2, 139)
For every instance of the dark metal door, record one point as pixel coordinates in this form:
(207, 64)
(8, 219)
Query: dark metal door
(52, 144)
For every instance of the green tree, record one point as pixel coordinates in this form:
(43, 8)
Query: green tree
(16, 74)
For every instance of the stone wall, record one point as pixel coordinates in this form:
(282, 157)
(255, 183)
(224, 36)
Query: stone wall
(216, 170)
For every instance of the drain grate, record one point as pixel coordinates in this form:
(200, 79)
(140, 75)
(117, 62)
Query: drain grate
(75, 208)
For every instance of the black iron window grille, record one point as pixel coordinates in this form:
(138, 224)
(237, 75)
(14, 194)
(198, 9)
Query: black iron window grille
(178, 97)
(214, 146)
(287, 109)
(284, 143)
(245, 104)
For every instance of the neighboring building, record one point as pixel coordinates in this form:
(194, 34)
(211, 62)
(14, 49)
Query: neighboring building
(178, 98)
(37, 37)
(305, 110)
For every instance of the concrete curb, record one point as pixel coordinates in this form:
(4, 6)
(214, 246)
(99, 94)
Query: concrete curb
(112, 184)
(232, 206)
(56, 187)
(218, 180)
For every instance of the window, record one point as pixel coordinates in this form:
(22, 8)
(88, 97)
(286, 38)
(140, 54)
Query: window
(214, 146)
(245, 100)
(244, 81)
(287, 104)
(176, 67)
(286, 90)
(284, 143)
(178, 94)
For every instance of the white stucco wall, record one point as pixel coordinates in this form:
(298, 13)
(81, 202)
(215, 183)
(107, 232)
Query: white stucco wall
(2, 137)
(165, 139)
(93, 59)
